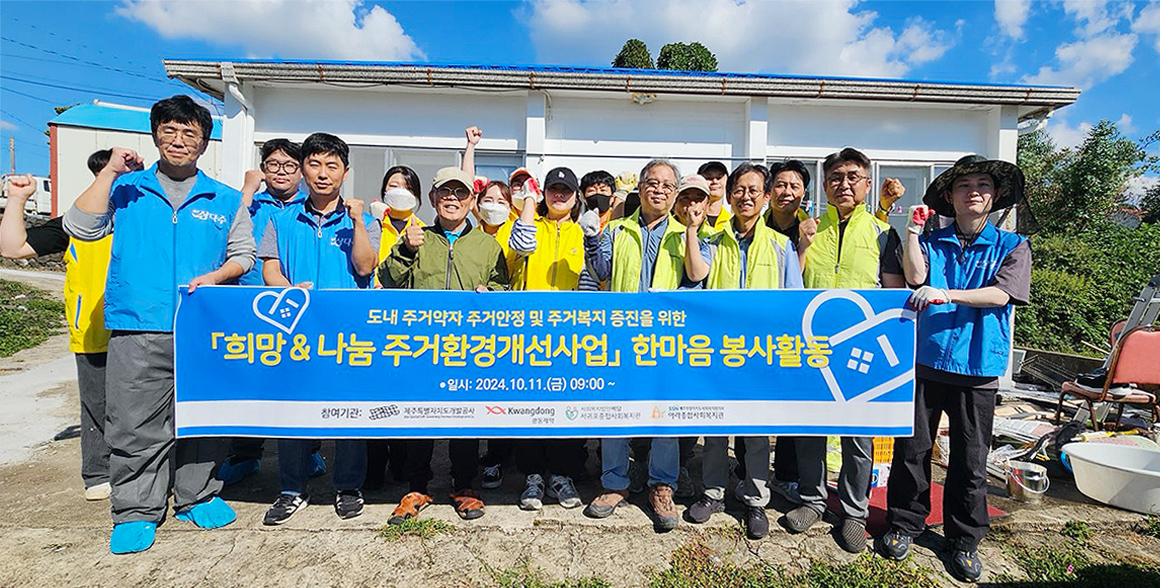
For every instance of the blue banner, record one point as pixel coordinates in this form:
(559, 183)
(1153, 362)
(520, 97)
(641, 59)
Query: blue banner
(327, 364)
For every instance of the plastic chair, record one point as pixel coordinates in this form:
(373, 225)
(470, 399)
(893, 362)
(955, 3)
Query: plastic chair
(1135, 360)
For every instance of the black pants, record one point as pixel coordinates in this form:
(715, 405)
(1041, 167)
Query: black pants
(464, 454)
(561, 457)
(971, 412)
(380, 454)
(785, 463)
(499, 451)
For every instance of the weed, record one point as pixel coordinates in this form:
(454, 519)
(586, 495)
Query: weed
(1149, 526)
(1078, 530)
(523, 576)
(1063, 567)
(421, 528)
(27, 317)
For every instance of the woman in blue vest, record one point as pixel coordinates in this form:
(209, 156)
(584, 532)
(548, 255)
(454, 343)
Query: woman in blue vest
(970, 275)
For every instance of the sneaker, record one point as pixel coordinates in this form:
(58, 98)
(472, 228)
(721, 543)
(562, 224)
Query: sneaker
(348, 504)
(637, 476)
(852, 535)
(284, 508)
(704, 508)
(801, 518)
(787, 490)
(533, 496)
(894, 545)
(561, 489)
(232, 472)
(492, 476)
(317, 465)
(605, 504)
(660, 498)
(98, 492)
(966, 566)
(686, 488)
(756, 523)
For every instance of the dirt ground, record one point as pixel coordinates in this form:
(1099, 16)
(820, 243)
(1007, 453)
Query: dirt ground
(50, 536)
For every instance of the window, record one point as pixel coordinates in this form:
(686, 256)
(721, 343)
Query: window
(497, 166)
(915, 178)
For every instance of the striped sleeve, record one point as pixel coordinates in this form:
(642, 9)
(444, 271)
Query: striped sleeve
(523, 239)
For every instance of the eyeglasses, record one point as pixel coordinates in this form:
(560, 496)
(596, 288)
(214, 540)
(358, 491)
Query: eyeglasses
(658, 186)
(852, 177)
(447, 193)
(273, 167)
(168, 134)
(753, 193)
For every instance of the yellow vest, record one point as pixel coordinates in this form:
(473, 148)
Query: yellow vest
(763, 263)
(724, 220)
(391, 236)
(857, 264)
(627, 249)
(86, 268)
(558, 260)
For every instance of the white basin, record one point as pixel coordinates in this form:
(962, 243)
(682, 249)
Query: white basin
(1120, 475)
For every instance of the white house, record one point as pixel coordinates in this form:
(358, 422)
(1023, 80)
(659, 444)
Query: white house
(608, 118)
(79, 131)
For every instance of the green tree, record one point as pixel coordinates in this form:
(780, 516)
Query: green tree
(633, 54)
(1076, 189)
(1150, 204)
(686, 57)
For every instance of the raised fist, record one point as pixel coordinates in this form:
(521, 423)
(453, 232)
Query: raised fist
(354, 207)
(20, 188)
(473, 135)
(123, 160)
(918, 216)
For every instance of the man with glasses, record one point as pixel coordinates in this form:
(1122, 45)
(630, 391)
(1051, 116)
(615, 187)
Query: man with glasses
(643, 252)
(850, 249)
(174, 226)
(449, 254)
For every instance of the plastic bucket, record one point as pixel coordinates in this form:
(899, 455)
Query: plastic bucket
(1027, 482)
(1120, 475)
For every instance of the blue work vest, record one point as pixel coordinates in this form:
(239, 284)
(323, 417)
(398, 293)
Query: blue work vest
(961, 339)
(309, 252)
(262, 209)
(158, 247)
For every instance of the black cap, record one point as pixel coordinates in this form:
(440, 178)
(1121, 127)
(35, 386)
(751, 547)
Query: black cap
(562, 175)
(713, 165)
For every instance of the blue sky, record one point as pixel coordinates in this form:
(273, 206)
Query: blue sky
(60, 53)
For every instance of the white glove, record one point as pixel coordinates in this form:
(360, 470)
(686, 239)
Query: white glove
(926, 296)
(378, 210)
(918, 216)
(590, 223)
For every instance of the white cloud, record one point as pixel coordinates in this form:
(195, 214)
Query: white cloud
(7, 126)
(1011, 16)
(1066, 136)
(1139, 185)
(1148, 22)
(1088, 62)
(1124, 124)
(320, 29)
(821, 38)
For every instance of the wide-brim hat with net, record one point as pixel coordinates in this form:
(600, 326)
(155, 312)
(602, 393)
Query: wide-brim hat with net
(1009, 183)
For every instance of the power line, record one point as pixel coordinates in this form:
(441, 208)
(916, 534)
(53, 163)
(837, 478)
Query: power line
(166, 82)
(70, 57)
(77, 88)
(20, 120)
(52, 33)
(19, 93)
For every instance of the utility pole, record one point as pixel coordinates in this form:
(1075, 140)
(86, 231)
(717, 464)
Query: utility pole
(12, 155)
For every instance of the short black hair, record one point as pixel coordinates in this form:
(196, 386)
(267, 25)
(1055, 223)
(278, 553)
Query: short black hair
(291, 149)
(98, 160)
(325, 144)
(847, 155)
(596, 178)
(412, 180)
(791, 165)
(746, 167)
(181, 109)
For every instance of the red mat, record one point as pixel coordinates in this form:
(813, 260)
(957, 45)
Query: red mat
(876, 524)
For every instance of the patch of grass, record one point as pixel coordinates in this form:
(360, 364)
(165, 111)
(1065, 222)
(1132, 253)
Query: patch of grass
(1078, 530)
(695, 565)
(1149, 526)
(523, 576)
(1054, 566)
(28, 316)
(421, 528)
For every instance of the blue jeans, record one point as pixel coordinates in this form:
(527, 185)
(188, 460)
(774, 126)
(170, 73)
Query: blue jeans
(294, 461)
(663, 462)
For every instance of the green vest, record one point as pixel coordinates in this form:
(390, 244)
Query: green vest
(763, 264)
(857, 264)
(627, 249)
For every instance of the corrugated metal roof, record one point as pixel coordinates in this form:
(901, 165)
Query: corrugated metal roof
(208, 76)
(114, 117)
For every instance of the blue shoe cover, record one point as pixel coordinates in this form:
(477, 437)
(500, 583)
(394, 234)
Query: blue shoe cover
(317, 465)
(210, 514)
(132, 537)
(231, 473)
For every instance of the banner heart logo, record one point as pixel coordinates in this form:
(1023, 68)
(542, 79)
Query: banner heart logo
(859, 362)
(571, 413)
(282, 309)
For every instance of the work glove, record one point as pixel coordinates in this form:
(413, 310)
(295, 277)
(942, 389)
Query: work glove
(625, 182)
(918, 216)
(590, 223)
(926, 296)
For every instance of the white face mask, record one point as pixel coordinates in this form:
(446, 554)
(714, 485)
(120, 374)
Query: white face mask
(494, 213)
(400, 199)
